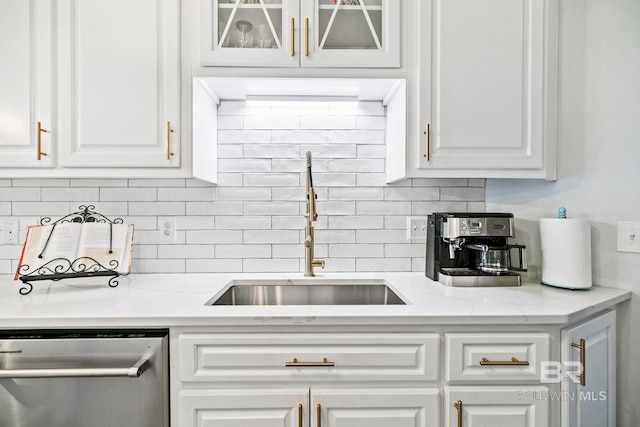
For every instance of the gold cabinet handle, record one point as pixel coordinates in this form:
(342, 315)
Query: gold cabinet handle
(300, 415)
(296, 363)
(318, 415)
(427, 132)
(293, 37)
(583, 357)
(513, 361)
(458, 406)
(39, 152)
(169, 132)
(306, 37)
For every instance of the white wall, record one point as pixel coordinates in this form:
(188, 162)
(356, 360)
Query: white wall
(598, 161)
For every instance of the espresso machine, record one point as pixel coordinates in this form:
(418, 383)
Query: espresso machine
(472, 249)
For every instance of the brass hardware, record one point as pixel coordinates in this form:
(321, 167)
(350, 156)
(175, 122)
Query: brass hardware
(513, 361)
(296, 363)
(458, 406)
(318, 415)
(300, 415)
(293, 37)
(427, 132)
(583, 356)
(169, 132)
(306, 37)
(311, 215)
(39, 152)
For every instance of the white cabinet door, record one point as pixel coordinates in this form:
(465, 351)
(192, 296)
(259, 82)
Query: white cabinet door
(244, 408)
(119, 83)
(294, 33)
(497, 406)
(375, 408)
(589, 401)
(487, 90)
(26, 78)
(350, 33)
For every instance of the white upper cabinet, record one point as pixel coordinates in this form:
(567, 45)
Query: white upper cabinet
(119, 83)
(90, 88)
(26, 78)
(295, 33)
(487, 90)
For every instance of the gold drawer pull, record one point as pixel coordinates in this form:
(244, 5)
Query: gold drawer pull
(583, 356)
(169, 132)
(318, 415)
(300, 415)
(512, 362)
(458, 406)
(427, 132)
(296, 363)
(39, 130)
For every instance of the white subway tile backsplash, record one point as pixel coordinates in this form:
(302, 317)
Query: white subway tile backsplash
(387, 208)
(194, 194)
(273, 265)
(328, 122)
(244, 165)
(271, 122)
(356, 165)
(243, 193)
(243, 222)
(271, 151)
(128, 194)
(253, 219)
(360, 250)
(271, 208)
(473, 194)
(243, 251)
(356, 222)
(356, 136)
(31, 194)
(271, 179)
(271, 236)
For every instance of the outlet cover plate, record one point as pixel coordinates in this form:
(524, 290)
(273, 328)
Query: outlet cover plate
(417, 228)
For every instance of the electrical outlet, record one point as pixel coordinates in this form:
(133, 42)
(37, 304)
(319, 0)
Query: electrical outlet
(168, 229)
(11, 232)
(417, 228)
(628, 236)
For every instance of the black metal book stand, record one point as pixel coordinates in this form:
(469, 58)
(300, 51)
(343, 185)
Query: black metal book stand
(63, 268)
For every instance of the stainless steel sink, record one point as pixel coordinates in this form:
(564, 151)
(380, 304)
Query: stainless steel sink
(307, 292)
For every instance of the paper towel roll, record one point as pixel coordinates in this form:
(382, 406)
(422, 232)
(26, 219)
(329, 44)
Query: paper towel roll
(566, 252)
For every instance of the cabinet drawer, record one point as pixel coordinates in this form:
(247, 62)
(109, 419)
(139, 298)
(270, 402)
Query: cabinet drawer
(286, 357)
(495, 356)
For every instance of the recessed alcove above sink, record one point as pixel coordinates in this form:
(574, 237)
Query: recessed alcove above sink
(210, 92)
(307, 292)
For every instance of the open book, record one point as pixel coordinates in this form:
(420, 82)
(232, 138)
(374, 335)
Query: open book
(108, 244)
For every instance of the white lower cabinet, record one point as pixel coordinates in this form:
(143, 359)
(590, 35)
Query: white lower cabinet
(405, 376)
(497, 406)
(377, 407)
(588, 399)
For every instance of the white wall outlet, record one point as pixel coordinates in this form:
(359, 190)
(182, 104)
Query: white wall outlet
(11, 232)
(628, 236)
(167, 228)
(417, 228)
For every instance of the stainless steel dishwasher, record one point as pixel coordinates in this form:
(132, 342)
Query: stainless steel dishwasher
(112, 378)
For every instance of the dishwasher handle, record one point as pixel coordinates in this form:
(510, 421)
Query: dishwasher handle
(132, 372)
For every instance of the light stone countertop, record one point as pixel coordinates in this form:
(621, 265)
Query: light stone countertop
(169, 300)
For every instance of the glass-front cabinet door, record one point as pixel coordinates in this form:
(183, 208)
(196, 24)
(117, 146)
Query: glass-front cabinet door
(249, 33)
(294, 33)
(350, 33)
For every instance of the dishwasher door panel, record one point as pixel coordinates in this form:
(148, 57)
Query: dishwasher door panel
(100, 381)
